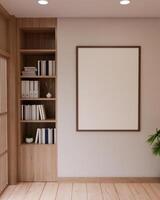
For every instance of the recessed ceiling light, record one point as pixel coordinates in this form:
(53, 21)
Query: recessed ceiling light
(124, 2)
(43, 2)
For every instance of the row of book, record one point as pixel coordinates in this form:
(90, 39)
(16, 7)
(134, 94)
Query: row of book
(33, 112)
(45, 136)
(46, 68)
(30, 89)
(29, 71)
(43, 68)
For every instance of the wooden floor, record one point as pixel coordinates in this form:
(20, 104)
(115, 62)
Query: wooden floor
(82, 191)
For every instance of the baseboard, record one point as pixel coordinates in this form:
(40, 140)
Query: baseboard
(111, 179)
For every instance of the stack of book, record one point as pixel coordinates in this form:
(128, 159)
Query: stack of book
(33, 112)
(45, 136)
(46, 68)
(29, 71)
(30, 89)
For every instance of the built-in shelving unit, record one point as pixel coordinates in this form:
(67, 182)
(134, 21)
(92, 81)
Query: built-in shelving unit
(37, 45)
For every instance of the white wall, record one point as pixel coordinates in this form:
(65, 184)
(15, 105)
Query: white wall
(107, 154)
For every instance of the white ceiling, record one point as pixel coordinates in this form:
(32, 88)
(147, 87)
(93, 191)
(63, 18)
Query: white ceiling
(83, 8)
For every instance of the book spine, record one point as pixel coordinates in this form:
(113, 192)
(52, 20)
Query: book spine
(40, 136)
(46, 136)
(37, 136)
(27, 88)
(31, 89)
(55, 136)
(22, 112)
(39, 68)
(23, 89)
(43, 136)
(54, 67)
(37, 113)
(50, 69)
(34, 117)
(43, 67)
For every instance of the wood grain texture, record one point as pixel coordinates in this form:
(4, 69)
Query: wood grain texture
(94, 191)
(37, 163)
(124, 192)
(37, 22)
(20, 191)
(50, 191)
(149, 190)
(12, 103)
(3, 133)
(4, 12)
(156, 189)
(138, 192)
(3, 85)
(64, 191)
(35, 191)
(8, 192)
(3, 33)
(109, 191)
(3, 171)
(35, 41)
(79, 191)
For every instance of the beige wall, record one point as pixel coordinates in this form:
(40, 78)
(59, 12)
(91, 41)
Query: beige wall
(107, 154)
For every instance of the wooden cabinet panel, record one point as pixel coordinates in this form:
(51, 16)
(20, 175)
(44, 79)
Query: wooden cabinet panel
(3, 171)
(3, 133)
(37, 162)
(3, 85)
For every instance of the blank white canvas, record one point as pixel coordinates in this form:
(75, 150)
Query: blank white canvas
(108, 88)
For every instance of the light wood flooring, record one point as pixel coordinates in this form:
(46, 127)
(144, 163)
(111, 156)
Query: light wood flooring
(82, 191)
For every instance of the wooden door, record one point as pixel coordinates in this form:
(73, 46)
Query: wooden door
(3, 125)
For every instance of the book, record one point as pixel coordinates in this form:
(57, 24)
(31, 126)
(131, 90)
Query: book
(37, 136)
(43, 67)
(43, 135)
(46, 135)
(43, 112)
(23, 92)
(34, 116)
(50, 68)
(39, 68)
(53, 67)
(31, 89)
(26, 89)
(40, 136)
(50, 136)
(36, 89)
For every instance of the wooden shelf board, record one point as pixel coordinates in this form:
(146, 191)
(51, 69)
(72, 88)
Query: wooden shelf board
(38, 121)
(38, 77)
(37, 51)
(37, 99)
(33, 144)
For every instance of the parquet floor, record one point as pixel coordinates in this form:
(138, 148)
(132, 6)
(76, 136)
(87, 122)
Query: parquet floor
(82, 191)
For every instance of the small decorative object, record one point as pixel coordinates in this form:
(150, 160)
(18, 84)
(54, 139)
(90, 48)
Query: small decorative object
(29, 138)
(48, 95)
(154, 140)
(48, 86)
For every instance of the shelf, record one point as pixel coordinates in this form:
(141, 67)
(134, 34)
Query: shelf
(38, 77)
(33, 144)
(37, 51)
(38, 121)
(38, 99)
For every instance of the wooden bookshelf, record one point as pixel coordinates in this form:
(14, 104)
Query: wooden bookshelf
(37, 51)
(39, 121)
(38, 77)
(37, 44)
(38, 99)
